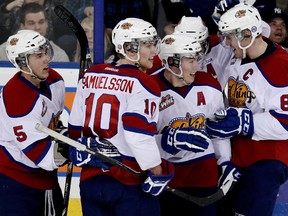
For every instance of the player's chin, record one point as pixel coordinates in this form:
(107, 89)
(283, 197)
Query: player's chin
(45, 73)
(190, 78)
(148, 64)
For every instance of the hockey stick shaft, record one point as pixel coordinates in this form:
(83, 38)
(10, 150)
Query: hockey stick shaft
(205, 201)
(72, 23)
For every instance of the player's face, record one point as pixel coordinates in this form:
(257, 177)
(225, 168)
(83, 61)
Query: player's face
(36, 22)
(278, 30)
(189, 66)
(147, 52)
(233, 41)
(39, 63)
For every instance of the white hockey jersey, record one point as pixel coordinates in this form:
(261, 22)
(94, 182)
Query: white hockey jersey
(190, 106)
(27, 154)
(120, 104)
(262, 86)
(216, 61)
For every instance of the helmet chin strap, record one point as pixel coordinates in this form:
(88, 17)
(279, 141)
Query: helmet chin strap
(180, 76)
(33, 75)
(136, 61)
(245, 48)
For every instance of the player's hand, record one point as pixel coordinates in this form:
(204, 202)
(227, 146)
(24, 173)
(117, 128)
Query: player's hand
(231, 122)
(63, 148)
(224, 5)
(156, 184)
(221, 7)
(189, 138)
(82, 158)
(230, 174)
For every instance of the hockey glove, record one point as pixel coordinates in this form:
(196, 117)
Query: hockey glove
(224, 5)
(221, 7)
(233, 121)
(82, 158)
(156, 184)
(189, 138)
(229, 176)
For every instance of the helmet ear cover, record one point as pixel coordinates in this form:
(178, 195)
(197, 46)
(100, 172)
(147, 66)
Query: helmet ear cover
(21, 61)
(174, 61)
(131, 46)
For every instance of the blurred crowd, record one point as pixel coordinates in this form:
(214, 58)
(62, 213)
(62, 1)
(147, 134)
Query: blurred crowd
(22, 14)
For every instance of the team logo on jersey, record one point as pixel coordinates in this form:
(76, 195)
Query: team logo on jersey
(196, 121)
(126, 25)
(166, 102)
(53, 125)
(169, 40)
(13, 41)
(44, 108)
(239, 93)
(240, 13)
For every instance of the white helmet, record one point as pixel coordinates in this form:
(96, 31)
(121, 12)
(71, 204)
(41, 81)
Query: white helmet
(132, 30)
(23, 43)
(194, 26)
(176, 46)
(242, 16)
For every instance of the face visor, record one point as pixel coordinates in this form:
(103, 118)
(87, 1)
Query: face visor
(45, 49)
(155, 41)
(237, 33)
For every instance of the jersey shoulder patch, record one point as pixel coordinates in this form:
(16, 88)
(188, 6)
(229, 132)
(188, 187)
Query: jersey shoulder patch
(204, 78)
(274, 68)
(19, 98)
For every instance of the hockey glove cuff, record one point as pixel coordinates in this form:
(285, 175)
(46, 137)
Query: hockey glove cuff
(231, 122)
(82, 158)
(230, 174)
(156, 184)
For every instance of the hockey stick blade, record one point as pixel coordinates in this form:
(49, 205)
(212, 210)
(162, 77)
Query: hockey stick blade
(72, 23)
(204, 201)
(201, 201)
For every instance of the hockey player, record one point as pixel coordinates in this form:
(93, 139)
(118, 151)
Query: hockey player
(218, 54)
(257, 118)
(188, 97)
(29, 158)
(120, 103)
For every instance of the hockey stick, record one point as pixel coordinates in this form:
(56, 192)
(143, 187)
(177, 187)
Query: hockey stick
(204, 201)
(73, 24)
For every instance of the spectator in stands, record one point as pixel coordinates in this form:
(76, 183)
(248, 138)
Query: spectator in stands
(10, 22)
(10, 19)
(174, 11)
(80, 9)
(33, 17)
(7, 9)
(88, 26)
(116, 10)
(278, 22)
